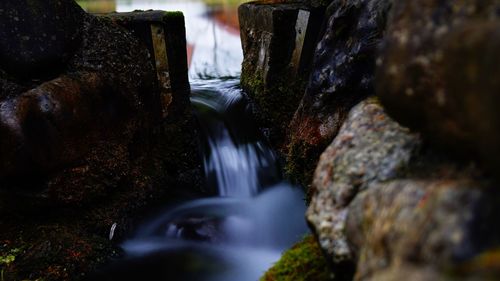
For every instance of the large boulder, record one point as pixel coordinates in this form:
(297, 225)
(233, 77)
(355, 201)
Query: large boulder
(100, 99)
(438, 73)
(386, 206)
(342, 75)
(118, 93)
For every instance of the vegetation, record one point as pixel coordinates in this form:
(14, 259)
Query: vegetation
(6, 260)
(303, 262)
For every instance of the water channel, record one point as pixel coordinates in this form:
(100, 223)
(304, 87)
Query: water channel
(256, 215)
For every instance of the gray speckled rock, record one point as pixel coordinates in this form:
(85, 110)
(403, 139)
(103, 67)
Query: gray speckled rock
(369, 148)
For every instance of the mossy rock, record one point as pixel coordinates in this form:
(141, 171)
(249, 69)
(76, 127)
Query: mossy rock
(303, 262)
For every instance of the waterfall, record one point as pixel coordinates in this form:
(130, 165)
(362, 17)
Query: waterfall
(255, 216)
(235, 158)
(236, 235)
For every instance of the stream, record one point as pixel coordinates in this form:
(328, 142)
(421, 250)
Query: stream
(240, 233)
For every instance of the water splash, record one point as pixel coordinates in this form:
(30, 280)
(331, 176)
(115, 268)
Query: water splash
(236, 158)
(244, 235)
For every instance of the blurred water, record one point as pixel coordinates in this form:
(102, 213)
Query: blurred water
(237, 160)
(237, 235)
(243, 236)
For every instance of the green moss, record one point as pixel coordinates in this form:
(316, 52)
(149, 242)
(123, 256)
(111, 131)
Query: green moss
(174, 14)
(301, 161)
(253, 84)
(277, 99)
(303, 262)
(300, 165)
(9, 257)
(6, 260)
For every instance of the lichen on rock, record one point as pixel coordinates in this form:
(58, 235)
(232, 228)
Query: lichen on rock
(369, 148)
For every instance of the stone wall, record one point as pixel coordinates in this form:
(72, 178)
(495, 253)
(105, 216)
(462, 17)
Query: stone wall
(278, 42)
(95, 124)
(400, 104)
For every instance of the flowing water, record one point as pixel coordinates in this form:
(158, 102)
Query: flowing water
(256, 215)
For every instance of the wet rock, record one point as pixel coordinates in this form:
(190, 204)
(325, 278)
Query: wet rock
(38, 40)
(91, 126)
(205, 229)
(369, 148)
(178, 263)
(102, 97)
(438, 74)
(278, 42)
(342, 75)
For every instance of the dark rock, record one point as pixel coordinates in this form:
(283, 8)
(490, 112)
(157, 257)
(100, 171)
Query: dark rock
(102, 97)
(278, 42)
(37, 40)
(206, 229)
(312, 3)
(88, 127)
(59, 252)
(438, 74)
(342, 75)
(179, 263)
